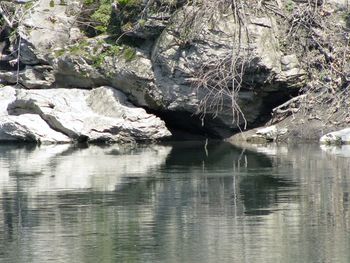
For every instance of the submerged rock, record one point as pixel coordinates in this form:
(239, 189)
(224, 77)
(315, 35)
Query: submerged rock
(64, 115)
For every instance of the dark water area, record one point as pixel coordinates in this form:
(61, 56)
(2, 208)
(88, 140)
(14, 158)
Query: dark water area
(180, 202)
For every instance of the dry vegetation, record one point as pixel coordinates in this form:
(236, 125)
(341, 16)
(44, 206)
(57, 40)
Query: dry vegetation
(319, 34)
(315, 31)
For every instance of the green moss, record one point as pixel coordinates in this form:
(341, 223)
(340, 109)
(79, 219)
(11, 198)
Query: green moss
(96, 53)
(130, 2)
(28, 5)
(88, 2)
(59, 53)
(79, 49)
(98, 59)
(142, 22)
(290, 5)
(52, 3)
(102, 16)
(129, 53)
(103, 19)
(115, 50)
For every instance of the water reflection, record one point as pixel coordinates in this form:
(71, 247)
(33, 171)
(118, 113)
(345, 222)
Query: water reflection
(189, 202)
(65, 167)
(338, 150)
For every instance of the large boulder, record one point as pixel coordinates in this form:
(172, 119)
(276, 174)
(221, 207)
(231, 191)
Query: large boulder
(337, 137)
(63, 115)
(26, 127)
(29, 128)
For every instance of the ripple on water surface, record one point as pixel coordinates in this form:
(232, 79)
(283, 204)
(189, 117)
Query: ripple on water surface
(179, 202)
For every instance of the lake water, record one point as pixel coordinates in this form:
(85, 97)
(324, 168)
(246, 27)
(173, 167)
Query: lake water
(180, 202)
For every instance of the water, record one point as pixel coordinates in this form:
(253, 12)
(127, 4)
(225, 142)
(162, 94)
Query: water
(182, 202)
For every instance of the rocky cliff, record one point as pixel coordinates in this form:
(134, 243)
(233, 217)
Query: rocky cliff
(131, 70)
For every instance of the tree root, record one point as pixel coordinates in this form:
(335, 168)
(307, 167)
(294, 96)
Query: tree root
(290, 107)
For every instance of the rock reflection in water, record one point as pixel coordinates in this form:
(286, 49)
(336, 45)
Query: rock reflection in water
(65, 167)
(338, 150)
(182, 202)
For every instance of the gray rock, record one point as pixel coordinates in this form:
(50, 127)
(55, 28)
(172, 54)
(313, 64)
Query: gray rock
(163, 81)
(27, 127)
(270, 133)
(46, 28)
(30, 128)
(292, 74)
(178, 56)
(260, 135)
(30, 77)
(7, 95)
(132, 76)
(102, 114)
(337, 137)
(8, 77)
(151, 26)
(75, 72)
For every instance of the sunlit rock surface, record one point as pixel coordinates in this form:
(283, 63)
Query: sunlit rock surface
(98, 115)
(337, 137)
(29, 127)
(45, 28)
(26, 127)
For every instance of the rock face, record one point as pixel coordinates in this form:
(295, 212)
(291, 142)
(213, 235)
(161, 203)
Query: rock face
(177, 64)
(163, 75)
(65, 115)
(177, 59)
(47, 27)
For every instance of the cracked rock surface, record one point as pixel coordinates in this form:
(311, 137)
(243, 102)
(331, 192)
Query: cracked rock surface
(65, 115)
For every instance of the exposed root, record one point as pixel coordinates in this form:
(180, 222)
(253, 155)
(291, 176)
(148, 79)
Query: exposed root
(290, 107)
